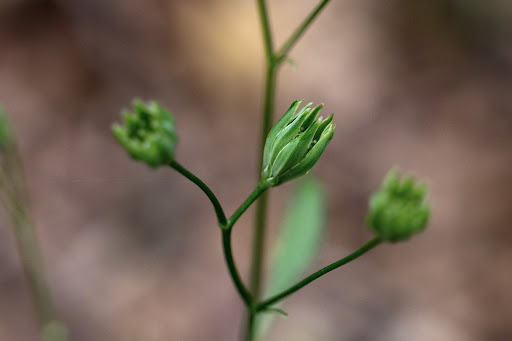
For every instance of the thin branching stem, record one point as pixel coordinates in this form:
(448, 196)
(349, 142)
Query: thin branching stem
(297, 34)
(356, 254)
(235, 276)
(221, 217)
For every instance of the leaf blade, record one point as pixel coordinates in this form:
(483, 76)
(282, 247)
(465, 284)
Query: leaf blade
(298, 244)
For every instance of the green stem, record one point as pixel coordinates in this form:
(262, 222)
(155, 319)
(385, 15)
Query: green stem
(359, 252)
(261, 205)
(265, 25)
(235, 276)
(221, 217)
(273, 61)
(30, 255)
(251, 326)
(258, 191)
(258, 238)
(288, 45)
(16, 203)
(226, 243)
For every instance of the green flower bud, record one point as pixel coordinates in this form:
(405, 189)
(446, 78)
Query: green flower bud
(295, 144)
(148, 135)
(398, 209)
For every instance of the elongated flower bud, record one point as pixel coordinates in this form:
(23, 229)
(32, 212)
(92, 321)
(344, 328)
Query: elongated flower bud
(149, 134)
(398, 209)
(295, 144)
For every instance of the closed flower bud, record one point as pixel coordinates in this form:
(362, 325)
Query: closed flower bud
(148, 135)
(398, 209)
(295, 144)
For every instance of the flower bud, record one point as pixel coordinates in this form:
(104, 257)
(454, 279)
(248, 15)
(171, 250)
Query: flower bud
(295, 144)
(398, 209)
(148, 135)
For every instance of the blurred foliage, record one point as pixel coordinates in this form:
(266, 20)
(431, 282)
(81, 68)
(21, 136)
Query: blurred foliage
(299, 240)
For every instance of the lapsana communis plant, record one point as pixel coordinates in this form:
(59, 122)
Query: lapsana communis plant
(288, 150)
(293, 146)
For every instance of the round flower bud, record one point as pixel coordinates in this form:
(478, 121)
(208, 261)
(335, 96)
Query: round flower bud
(148, 135)
(398, 209)
(295, 144)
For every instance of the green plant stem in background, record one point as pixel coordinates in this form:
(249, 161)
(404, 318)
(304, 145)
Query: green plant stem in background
(268, 107)
(359, 252)
(258, 238)
(261, 206)
(221, 217)
(15, 202)
(265, 25)
(273, 62)
(30, 255)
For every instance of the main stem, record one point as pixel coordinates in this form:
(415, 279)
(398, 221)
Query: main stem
(273, 61)
(261, 205)
(258, 239)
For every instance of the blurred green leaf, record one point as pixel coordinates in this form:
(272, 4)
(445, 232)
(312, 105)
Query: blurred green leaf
(54, 331)
(298, 243)
(4, 130)
(300, 236)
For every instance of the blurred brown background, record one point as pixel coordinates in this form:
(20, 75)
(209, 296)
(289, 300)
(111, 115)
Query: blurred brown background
(134, 254)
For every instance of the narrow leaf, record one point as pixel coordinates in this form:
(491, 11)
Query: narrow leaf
(54, 331)
(298, 243)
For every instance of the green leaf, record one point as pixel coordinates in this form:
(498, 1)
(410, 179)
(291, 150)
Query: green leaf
(5, 133)
(298, 243)
(54, 331)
